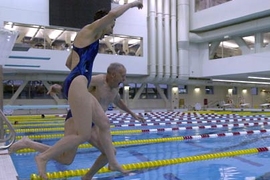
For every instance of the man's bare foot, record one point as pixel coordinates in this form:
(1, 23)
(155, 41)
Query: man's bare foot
(87, 178)
(21, 144)
(41, 165)
(117, 167)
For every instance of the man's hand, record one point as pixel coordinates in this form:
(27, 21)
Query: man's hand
(139, 118)
(54, 89)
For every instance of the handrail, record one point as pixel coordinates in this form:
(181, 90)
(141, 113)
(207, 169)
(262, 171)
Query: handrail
(10, 139)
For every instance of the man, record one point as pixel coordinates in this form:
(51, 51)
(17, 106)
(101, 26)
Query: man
(105, 89)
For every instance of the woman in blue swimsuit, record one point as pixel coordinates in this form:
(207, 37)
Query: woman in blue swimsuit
(84, 106)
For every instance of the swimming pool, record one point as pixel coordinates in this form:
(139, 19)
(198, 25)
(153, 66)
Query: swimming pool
(171, 137)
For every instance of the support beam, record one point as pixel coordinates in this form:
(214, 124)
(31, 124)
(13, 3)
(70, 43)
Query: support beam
(139, 51)
(137, 95)
(109, 45)
(47, 85)
(47, 38)
(17, 93)
(243, 45)
(125, 46)
(161, 93)
(258, 44)
(213, 49)
(20, 38)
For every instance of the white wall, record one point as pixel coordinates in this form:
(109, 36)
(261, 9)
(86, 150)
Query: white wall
(56, 63)
(225, 13)
(26, 11)
(195, 62)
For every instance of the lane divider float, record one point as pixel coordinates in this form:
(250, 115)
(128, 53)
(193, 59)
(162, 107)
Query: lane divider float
(169, 139)
(157, 163)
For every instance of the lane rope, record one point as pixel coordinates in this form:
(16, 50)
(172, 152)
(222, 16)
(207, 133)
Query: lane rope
(119, 132)
(169, 139)
(156, 163)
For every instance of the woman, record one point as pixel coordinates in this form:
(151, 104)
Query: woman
(83, 105)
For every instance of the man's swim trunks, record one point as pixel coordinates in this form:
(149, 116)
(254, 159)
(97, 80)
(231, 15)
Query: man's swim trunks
(84, 67)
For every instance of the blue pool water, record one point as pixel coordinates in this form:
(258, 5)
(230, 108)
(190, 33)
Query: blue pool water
(246, 167)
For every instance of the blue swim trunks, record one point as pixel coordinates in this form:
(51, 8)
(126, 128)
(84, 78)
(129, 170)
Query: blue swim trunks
(84, 67)
(69, 115)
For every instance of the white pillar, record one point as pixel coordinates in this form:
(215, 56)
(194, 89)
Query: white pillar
(126, 95)
(183, 39)
(160, 40)
(167, 40)
(175, 98)
(152, 37)
(173, 40)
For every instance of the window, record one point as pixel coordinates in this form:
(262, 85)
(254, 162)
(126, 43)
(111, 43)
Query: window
(254, 91)
(182, 89)
(209, 90)
(234, 90)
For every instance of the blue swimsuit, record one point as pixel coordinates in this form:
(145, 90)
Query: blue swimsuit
(84, 67)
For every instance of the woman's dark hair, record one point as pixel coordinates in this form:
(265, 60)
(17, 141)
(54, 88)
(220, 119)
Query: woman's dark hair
(100, 14)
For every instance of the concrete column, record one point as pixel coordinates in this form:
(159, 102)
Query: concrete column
(258, 44)
(126, 95)
(175, 97)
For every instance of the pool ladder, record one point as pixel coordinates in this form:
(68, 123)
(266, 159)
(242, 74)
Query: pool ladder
(7, 138)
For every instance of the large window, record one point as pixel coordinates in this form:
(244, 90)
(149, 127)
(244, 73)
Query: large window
(150, 91)
(209, 89)
(236, 46)
(55, 38)
(32, 90)
(204, 4)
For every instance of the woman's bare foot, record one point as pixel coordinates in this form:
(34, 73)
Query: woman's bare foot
(41, 165)
(21, 144)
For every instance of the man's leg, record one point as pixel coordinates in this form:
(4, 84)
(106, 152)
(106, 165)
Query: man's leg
(101, 160)
(102, 122)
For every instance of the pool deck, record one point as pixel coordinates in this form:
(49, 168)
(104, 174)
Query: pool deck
(7, 170)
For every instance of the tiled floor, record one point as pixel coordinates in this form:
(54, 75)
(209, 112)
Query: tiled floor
(7, 169)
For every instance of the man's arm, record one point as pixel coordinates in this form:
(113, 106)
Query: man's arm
(96, 80)
(120, 103)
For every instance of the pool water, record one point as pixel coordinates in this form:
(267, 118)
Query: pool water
(245, 167)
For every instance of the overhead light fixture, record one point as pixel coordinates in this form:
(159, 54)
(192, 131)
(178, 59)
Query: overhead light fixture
(175, 89)
(228, 44)
(254, 77)
(197, 89)
(237, 81)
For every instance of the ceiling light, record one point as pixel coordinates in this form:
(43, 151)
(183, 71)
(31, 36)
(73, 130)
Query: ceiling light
(254, 77)
(229, 44)
(236, 81)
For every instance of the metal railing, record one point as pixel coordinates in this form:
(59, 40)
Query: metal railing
(7, 137)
